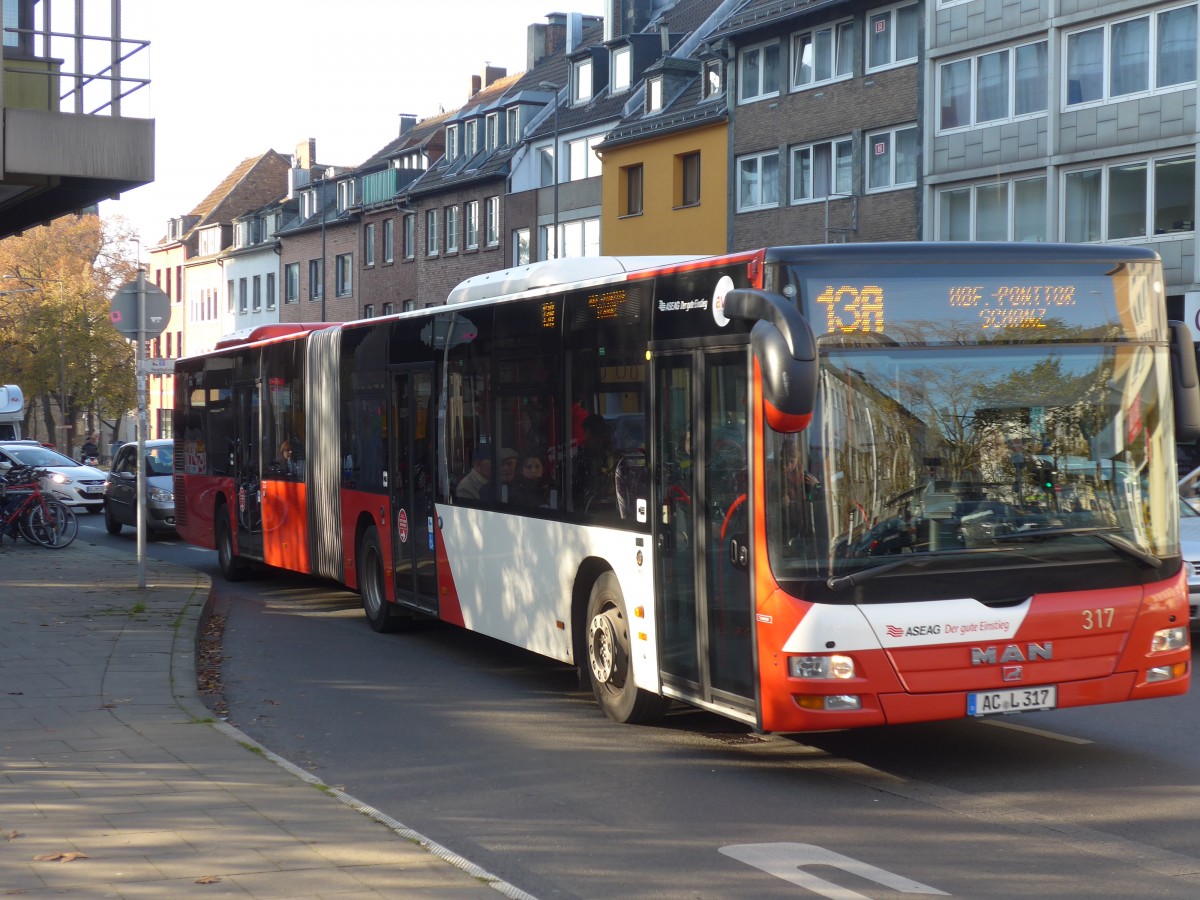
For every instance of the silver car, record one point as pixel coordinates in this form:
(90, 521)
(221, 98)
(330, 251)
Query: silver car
(120, 490)
(76, 485)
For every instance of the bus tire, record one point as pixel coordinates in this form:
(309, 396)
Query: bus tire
(231, 568)
(371, 587)
(610, 658)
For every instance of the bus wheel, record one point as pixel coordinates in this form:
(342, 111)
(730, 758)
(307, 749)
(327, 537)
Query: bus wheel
(610, 658)
(231, 569)
(371, 584)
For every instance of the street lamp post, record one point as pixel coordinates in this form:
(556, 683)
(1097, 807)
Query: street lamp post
(551, 86)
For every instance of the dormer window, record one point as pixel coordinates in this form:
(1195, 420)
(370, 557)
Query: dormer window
(712, 85)
(210, 241)
(581, 81)
(491, 129)
(451, 143)
(308, 203)
(622, 69)
(512, 131)
(472, 138)
(654, 94)
(345, 194)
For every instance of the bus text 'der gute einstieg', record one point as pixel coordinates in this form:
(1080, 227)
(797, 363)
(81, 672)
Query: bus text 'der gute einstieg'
(803, 487)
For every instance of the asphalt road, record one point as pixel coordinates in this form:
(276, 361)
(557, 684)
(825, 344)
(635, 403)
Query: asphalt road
(498, 755)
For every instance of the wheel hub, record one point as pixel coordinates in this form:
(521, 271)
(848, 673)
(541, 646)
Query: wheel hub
(605, 650)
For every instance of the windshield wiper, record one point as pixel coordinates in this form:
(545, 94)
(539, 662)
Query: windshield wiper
(908, 561)
(1104, 533)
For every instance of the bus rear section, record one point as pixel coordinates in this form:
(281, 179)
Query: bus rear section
(980, 518)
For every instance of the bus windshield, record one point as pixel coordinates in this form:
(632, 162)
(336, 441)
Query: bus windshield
(1052, 451)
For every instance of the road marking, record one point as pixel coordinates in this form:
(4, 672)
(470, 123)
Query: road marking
(1025, 729)
(787, 861)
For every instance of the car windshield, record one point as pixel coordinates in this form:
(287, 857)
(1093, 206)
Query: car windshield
(930, 450)
(39, 456)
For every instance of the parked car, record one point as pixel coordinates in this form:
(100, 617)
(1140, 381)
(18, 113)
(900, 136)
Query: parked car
(120, 489)
(76, 485)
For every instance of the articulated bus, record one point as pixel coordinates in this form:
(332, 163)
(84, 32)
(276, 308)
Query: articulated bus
(802, 487)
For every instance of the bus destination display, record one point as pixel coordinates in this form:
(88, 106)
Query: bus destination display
(970, 308)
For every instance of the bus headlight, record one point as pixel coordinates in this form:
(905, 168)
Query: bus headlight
(835, 666)
(1169, 639)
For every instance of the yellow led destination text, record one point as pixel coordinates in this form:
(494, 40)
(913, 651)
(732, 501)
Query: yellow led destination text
(1013, 306)
(607, 305)
(851, 309)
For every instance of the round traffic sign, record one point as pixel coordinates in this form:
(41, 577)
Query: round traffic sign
(123, 310)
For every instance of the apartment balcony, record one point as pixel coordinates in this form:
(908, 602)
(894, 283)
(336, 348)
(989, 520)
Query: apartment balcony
(66, 140)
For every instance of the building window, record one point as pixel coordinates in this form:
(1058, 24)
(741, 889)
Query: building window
(472, 237)
(993, 87)
(581, 81)
(210, 241)
(389, 241)
(546, 166)
(687, 179)
(308, 203)
(758, 181)
(451, 143)
(316, 279)
(256, 294)
(713, 83)
(521, 247)
(389, 309)
(995, 211)
(1132, 56)
(230, 296)
(891, 158)
(491, 218)
(491, 126)
(369, 245)
(1130, 200)
(409, 228)
(471, 138)
(580, 237)
(291, 283)
(582, 161)
(631, 190)
(822, 169)
(243, 296)
(892, 37)
(654, 94)
(343, 272)
(451, 229)
(369, 311)
(270, 290)
(622, 69)
(512, 128)
(345, 194)
(431, 232)
(758, 72)
(822, 55)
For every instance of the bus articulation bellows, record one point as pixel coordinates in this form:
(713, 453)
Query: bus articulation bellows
(803, 487)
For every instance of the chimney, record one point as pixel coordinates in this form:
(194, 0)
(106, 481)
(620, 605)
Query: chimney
(574, 31)
(546, 39)
(492, 74)
(664, 36)
(406, 123)
(306, 152)
(476, 84)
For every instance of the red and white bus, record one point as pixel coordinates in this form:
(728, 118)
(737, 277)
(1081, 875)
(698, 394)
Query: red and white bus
(803, 487)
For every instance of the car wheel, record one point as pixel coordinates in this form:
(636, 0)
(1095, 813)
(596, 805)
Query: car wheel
(111, 525)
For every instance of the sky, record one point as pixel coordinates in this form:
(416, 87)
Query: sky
(231, 79)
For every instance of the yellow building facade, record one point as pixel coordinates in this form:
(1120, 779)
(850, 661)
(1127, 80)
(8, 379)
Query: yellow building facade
(666, 193)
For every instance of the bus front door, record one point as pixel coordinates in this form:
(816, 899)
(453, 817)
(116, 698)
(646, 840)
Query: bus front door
(702, 528)
(246, 472)
(412, 487)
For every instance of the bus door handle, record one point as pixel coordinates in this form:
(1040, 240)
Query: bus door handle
(739, 552)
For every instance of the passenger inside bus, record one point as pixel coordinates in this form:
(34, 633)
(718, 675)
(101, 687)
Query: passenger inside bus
(595, 467)
(530, 487)
(480, 476)
(508, 473)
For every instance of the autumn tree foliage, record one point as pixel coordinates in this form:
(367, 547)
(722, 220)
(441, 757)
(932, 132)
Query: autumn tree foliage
(56, 339)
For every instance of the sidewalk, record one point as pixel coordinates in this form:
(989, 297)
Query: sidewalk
(111, 766)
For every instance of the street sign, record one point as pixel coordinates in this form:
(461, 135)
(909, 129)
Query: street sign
(123, 310)
(158, 366)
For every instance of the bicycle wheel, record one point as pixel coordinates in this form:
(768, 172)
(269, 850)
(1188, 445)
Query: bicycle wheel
(53, 525)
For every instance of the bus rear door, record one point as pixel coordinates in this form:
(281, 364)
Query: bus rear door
(702, 527)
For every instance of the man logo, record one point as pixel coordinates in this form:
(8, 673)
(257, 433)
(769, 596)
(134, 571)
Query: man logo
(988, 656)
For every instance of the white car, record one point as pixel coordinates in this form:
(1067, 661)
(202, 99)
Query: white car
(76, 485)
(1189, 538)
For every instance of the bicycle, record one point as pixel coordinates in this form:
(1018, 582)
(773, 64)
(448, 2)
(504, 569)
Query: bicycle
(26, 510)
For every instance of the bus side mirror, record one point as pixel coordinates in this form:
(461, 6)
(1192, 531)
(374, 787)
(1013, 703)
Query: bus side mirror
(1185, 383)
(786, 351)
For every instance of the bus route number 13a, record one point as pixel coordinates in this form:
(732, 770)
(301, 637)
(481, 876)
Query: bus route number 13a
(850, 309)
